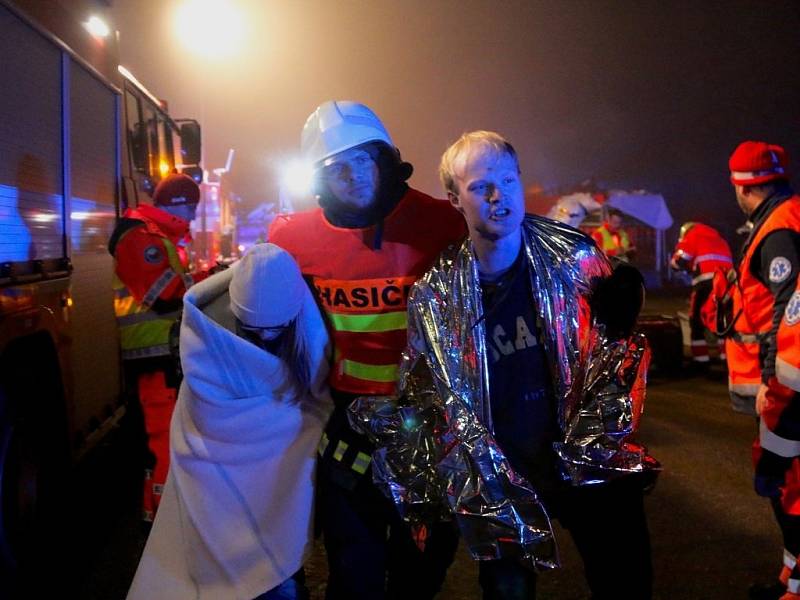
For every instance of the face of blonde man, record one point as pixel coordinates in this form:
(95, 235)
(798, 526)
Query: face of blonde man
(490, 195)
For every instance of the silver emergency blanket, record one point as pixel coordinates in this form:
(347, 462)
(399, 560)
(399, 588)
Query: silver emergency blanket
(435, 449)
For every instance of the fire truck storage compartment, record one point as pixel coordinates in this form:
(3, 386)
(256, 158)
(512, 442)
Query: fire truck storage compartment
(58, 195)
(31, 176)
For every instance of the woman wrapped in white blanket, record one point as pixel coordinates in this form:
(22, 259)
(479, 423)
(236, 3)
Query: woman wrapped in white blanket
(236, 515)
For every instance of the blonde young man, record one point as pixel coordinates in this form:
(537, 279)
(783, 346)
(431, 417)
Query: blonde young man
(499, 332)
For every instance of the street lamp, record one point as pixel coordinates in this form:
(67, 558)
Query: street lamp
(212, 29)
(97, 27)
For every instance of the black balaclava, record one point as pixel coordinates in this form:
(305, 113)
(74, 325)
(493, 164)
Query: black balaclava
(392, 173)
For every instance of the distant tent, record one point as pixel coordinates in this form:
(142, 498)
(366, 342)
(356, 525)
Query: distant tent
(572, 209)
(582, 209)
(648, 207)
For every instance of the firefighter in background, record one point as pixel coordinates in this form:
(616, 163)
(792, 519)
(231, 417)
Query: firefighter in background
(763, 343)
(152, 269)
(700, 251)
(612, 239)
(371, 238)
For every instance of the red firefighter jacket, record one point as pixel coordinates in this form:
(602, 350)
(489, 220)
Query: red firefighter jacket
(704, 250)
(361, 290)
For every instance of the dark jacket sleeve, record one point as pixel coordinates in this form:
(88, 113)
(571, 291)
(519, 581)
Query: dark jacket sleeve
(776, 264)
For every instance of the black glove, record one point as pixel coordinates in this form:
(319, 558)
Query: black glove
(618, 299)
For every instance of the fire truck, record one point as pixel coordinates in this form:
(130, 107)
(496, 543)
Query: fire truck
(80, 140)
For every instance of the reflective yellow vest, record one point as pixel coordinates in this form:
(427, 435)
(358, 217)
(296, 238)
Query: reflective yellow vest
(609, 244)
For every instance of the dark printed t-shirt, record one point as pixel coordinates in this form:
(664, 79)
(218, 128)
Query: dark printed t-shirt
(520, 387)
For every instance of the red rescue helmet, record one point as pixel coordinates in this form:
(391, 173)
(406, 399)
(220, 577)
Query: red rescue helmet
(754, 163)
(176, 189)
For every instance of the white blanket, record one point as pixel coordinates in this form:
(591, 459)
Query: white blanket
(235, 519)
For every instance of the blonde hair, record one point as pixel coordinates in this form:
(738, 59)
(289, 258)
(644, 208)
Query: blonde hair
(456, 156)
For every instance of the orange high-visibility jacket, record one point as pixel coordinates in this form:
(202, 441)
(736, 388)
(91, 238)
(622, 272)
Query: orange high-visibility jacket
(363, 291)
(754, 304)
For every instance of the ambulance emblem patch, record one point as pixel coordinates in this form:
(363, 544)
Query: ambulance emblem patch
(779, 269)
(792, 312)
(152, 254)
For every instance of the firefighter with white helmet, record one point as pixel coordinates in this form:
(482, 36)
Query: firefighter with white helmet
(701, 251)
(369, 240)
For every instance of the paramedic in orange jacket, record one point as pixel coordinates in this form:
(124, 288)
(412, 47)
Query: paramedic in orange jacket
(370, 239)
(700, 251)
(764, 344)
(152, 268)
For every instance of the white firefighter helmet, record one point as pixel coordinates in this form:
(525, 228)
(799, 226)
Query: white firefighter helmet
(338, 125)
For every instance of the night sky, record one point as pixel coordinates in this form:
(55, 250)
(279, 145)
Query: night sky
(638, 94)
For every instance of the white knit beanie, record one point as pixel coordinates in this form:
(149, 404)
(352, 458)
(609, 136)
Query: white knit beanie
(266, 288)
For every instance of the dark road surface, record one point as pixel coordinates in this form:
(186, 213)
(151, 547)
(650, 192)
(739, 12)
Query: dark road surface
(712, 536)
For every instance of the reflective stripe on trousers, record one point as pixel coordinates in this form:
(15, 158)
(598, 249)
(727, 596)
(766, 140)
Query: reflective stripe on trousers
(360, 462)
(777, 444)
(788, 375)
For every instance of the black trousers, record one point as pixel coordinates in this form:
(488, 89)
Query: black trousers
(608, 525)
(371, 554)
(700, 293)
(772, 474)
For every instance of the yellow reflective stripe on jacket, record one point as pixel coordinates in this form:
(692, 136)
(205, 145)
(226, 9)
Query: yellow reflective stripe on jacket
(125, 305)
(142, 332)
(382, 373)
(144, 335)
(146, 316)
(323, 444)
(361, 462)
(369, 323)
(341, 448)
(172, 256)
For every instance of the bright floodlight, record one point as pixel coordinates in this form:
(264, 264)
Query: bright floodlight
(297, 176)
(210, 28)
(97, 27)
